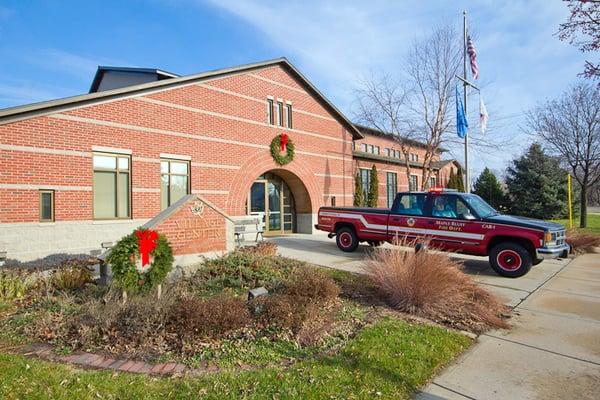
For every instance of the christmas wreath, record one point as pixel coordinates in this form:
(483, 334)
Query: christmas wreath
(282, 149)
(141, 260)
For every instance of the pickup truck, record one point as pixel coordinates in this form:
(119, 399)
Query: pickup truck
(453, 221)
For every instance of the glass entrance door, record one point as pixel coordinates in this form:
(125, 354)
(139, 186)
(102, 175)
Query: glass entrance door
(271, 200)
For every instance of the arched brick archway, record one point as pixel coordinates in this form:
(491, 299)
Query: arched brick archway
(301, 182)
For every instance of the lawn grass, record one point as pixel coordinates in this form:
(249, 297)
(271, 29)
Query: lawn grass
(593, 223)
(387, 360)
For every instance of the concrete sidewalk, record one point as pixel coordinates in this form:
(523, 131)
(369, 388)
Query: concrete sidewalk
(552, 351)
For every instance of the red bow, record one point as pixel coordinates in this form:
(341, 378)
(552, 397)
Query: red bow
(147, 243)
(283, 141)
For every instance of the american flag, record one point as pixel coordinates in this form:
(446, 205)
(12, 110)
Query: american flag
(472, 58)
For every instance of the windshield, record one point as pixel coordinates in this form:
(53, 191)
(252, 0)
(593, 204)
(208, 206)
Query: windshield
(482, 208)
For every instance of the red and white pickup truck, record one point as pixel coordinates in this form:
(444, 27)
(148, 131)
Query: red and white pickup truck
(453, 221)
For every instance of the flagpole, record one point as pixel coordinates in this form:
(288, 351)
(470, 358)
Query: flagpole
(467, 180)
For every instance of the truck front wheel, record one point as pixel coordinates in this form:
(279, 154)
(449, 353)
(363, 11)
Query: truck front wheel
(510, 259)
(346, 239)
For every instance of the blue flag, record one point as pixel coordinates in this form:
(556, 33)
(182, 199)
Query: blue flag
(462, 126)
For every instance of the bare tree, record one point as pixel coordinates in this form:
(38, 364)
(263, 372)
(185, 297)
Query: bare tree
(431, 67)
(418, 109)
(382, 105)
(570, 127)
(584, 20)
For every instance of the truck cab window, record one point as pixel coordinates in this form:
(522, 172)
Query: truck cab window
(409, 204)
(450, 207)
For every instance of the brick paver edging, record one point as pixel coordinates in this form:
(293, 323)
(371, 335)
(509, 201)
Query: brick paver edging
(96, 361)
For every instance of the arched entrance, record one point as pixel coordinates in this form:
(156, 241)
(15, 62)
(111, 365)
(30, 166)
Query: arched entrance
(281, 200)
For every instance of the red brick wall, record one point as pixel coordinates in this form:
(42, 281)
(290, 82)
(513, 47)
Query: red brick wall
(220, 124)
(384, 167)
(189, 233)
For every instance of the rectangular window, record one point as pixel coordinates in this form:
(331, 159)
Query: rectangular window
(432, 181)
(332, 201)
(289, 115)
(413, 184)
(392, 188)
(353, 145)
(387, 152)
(46, 205)
(376, 150)
(174, 181)
(112, 191)
(371, 149)
(279, 113)
(363, 147)
(270, 116)
(365, 176)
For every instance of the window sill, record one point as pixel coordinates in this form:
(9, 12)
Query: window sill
(112, 221)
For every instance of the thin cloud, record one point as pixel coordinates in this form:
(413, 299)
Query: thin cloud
(78, 65)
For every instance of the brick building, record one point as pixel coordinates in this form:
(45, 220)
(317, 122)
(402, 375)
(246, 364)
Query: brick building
(79, 171)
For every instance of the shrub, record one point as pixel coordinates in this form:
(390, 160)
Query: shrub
(311, 283)
(430, 284)
(12, 286)
(215, 316)
(582, 242)
(136, 327)
(279, 310)
(241, 270)
(70, 278)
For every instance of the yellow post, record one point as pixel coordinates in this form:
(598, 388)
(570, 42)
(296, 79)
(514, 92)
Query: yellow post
(570, 204)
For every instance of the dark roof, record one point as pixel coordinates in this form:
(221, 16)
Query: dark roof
(102, 69)
(392, 160)
(441, 164)
(12, 114)
(376, 132)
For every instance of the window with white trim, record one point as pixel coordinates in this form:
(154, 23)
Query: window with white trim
(288, 108)
(111, 186)
(174, 181)
(392, 187)
(364, 147)
(279, 113)
(270, 116)
(365, 177)
(46, 205)
(413, 183)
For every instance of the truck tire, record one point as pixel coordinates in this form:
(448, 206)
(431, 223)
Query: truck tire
(537, 261)
(510, 259)
(346, 239)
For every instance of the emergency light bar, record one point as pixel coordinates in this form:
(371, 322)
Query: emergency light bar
(440, 190)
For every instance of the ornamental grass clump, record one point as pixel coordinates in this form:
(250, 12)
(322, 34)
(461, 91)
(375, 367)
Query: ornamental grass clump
(583, 242)
(431, 285)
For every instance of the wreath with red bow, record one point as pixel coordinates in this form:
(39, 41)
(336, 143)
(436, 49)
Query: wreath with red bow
(141, 260)
(282, 149)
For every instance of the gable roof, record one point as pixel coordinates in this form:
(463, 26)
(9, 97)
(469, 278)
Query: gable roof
(18, 113)
(102, 69)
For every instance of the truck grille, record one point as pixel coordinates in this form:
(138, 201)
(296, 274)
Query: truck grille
(558, 237)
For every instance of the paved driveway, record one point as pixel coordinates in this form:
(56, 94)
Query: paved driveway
(553, 348)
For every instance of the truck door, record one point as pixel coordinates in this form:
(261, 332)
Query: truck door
(406, 220)
(454, 224)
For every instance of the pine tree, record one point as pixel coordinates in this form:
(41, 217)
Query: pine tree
(451, 180)
(359, 194)
(373, 194)
(488, 188)
(460, 180)
(537, 185)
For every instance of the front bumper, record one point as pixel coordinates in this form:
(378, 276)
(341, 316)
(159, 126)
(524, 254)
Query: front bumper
(546, 253)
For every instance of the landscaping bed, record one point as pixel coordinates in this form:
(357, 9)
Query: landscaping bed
(317, 333)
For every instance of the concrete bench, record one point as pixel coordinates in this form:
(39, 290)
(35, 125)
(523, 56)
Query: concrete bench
(242, 226)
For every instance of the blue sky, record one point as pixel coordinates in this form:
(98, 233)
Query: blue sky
(50, 49)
